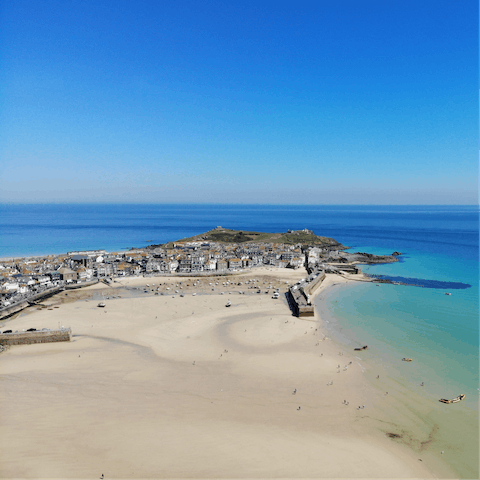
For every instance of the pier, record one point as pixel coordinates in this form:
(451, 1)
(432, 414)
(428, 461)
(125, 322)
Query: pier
(38, 336)
(303, 292)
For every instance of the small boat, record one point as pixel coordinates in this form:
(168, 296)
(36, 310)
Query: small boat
(448, 293)
(101, 304)
(229, 304)
(361, 348)
(407, 359)
(454, 400)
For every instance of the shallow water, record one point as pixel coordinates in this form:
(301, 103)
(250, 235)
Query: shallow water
(388, 320)
(398, 321)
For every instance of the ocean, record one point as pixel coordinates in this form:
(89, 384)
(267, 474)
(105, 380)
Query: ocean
(439, 246)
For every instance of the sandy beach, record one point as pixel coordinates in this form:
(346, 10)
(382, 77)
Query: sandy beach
(158, 385)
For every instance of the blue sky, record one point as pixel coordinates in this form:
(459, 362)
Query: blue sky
(323, 102)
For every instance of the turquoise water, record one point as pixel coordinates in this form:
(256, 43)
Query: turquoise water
(398, 321)
(440, 332)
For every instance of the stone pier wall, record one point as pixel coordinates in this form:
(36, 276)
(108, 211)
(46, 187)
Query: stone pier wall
(17, 307)
(301, 295)
(6, 312)
(312, 287)
(41, 336)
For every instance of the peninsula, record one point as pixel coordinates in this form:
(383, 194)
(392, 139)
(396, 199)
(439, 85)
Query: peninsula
(218, 251)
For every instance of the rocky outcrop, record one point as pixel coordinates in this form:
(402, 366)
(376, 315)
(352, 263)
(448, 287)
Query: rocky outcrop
(361, 257)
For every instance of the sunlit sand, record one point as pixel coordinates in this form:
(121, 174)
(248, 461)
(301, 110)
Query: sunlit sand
(156, 386)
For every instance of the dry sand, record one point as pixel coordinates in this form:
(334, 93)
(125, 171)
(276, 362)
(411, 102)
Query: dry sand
(153, 386)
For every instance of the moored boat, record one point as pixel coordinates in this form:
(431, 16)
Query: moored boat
(454, 400)
(407, 359)
(361, 348)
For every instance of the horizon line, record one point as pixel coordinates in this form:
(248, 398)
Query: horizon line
(252, 204)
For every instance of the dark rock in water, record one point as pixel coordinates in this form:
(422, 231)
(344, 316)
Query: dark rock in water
(420, 282)
(362, 257)
(396, 253)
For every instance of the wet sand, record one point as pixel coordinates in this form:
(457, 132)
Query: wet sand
(160, 386)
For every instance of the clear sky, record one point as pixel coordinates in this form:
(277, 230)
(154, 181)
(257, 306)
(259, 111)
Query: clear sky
(321, 102)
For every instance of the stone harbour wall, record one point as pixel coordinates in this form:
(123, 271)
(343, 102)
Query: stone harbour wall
(311, 288)
(17, 307)
(301, 295)
(40, 336)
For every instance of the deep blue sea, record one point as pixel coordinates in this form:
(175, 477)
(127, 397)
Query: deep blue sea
(438, 244)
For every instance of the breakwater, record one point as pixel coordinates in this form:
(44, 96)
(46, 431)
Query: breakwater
(18, 306)
(10, 310)
(39, 336)
(302, 293)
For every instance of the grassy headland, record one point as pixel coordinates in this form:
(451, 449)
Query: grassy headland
(226, 235)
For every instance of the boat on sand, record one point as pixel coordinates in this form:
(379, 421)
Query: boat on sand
(454, 400)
